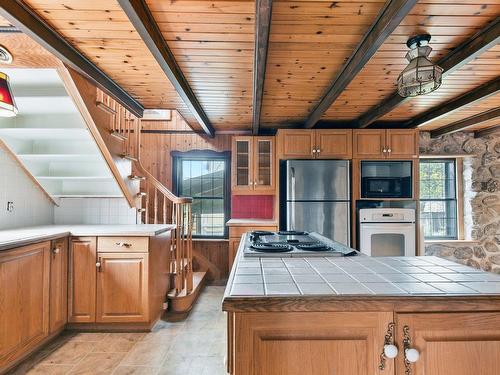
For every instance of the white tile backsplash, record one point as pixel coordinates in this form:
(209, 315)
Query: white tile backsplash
(94, 211)
(31, 206)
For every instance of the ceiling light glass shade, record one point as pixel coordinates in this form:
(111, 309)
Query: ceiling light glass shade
(7, 104)
(421, 76)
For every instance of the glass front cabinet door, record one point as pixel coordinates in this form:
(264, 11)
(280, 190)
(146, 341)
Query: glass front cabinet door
(253, 165)
(263, 163)
(242, 164)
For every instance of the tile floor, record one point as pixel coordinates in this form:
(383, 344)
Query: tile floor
(195, 346)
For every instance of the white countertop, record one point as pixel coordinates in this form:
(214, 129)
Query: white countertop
(356, 275)
(22, 236)
(252, 222)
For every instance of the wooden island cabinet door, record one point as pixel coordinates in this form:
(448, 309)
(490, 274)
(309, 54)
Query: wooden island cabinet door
(58, 284)
(24, 300)
(82, 280)
(334, 144)
(310, 343)
(451, 343)
(122, 287)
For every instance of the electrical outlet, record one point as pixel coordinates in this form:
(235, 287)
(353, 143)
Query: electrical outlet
(10, 206)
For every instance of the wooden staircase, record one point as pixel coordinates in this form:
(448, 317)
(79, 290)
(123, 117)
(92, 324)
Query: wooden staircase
(155, 203)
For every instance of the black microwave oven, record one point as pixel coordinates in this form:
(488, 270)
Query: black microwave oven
(386, 179)
(386, 187)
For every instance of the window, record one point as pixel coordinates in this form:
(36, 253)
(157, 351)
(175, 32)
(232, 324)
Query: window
(438, 198)
(204, 176)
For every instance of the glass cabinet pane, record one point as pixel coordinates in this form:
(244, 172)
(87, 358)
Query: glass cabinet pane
(242, 163)
(264, 162)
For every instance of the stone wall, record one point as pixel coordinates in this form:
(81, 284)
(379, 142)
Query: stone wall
(481, 198)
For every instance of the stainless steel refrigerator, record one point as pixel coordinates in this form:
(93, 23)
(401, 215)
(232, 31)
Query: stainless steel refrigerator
(315, 197)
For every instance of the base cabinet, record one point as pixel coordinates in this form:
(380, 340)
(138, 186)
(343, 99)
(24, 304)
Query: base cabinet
(24, 300)
(450, 343)
(82, 279)
(58, 284)
(118, 279)
(310, 343)
(122, 287)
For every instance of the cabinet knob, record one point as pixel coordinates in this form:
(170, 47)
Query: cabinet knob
(384, 150)
(412, 355)
(98, 265)
(314, 151)
(389, 150)
(391, 351)
(56, 250)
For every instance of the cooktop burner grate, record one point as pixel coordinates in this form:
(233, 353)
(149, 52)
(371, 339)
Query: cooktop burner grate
(291, 233)
(271, 248)
(312, 247)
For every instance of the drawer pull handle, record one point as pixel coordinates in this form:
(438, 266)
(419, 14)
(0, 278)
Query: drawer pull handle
(124, 244)
(411, 354)
(390, 350)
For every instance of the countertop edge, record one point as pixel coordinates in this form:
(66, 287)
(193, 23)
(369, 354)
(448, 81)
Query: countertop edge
(68, 230)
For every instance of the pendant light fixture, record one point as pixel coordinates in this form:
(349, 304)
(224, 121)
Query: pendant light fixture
(8, 106)
(421, 76)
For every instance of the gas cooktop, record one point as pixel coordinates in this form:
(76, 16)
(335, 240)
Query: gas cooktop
(293, 244)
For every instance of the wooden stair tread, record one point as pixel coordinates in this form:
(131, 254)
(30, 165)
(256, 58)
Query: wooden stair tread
(198, 280)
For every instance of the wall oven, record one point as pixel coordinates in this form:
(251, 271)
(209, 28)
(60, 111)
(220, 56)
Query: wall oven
(387, 232)
(386, 179)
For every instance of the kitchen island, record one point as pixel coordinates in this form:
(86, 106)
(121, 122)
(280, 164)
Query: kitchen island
(335, 315)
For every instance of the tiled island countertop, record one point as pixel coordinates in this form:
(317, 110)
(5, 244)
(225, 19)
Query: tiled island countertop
(358, 276)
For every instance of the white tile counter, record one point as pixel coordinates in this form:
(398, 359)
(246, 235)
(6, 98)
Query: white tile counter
(357, 275)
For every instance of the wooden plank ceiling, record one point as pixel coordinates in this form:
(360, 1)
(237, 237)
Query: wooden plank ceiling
(102, 32)
(450, 24)
(309, 42)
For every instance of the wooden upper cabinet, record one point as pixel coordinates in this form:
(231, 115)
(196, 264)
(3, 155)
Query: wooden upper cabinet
(58, 284)
(333, 144)
(264, 154)
(242, 164)
(369, 144)
(316, 144)
(253, 165)
(122, 287)
(385, 144)
(451, 343)
(24, 300)
(297, 143)
(82, 280)
(402, 144)
(328, 343)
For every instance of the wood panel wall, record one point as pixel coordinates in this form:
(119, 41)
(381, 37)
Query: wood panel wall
(159, 139)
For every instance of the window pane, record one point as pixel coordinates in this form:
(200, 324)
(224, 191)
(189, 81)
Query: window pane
(438, 203)
(204, 180)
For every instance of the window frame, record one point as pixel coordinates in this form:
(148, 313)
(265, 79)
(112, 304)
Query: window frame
(179, 156)
(458, 196)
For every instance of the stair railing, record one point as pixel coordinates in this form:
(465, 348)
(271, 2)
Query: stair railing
(156, 204)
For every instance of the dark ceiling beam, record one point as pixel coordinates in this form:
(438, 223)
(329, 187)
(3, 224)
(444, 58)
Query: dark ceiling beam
(483, 40)
(479, 93)
(145, 24)
(466, 123)
(488, 131)
(389, 18)
(26, 20)
(263, 11)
